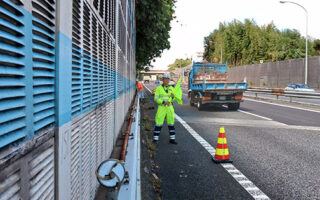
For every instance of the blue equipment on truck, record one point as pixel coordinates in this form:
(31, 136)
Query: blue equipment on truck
(208, 85)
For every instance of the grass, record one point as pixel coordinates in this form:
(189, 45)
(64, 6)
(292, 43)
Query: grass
(147, 123)
(151, 146)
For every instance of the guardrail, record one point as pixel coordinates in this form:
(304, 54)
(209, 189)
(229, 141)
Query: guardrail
(290, 94)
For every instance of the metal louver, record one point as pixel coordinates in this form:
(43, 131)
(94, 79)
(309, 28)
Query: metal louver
(27, 69)
(12, 73)
(43, 49)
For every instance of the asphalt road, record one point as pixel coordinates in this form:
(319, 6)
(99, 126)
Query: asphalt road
(280, 155)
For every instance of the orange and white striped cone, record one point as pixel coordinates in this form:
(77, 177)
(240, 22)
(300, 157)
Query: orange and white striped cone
(222, 151)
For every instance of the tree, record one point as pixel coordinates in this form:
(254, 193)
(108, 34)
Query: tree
(152, 29)
(247, 43)
(179, 63)
(316, 46)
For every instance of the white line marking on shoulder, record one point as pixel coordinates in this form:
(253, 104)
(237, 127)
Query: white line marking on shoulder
(252, 189)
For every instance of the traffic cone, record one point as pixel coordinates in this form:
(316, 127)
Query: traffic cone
(222, 151)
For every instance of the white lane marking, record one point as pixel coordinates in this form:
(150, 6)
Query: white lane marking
(231, 169)
(283, 105)
(147, 88)
(266, 118)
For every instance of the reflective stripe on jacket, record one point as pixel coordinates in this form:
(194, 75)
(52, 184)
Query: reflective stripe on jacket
(161, 95)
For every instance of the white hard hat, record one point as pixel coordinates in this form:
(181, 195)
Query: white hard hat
(166, 75)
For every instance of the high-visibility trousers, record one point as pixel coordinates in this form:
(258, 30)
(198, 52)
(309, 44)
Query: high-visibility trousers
(163, 112)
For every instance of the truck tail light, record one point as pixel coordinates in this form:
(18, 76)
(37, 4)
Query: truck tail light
(238, 97)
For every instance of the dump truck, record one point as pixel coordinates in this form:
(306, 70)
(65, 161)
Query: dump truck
(208, 84)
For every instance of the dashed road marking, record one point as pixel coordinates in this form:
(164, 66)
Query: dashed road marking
(262, 117)
(266, 118)
(251, 188)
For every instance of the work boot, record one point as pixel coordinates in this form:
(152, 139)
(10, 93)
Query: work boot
(173, 142)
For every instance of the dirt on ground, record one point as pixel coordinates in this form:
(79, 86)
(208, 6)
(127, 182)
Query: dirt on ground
(150, 182)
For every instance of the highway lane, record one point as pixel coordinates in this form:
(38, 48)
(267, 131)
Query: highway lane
(286, 115)
(282, 160)
(279, 113)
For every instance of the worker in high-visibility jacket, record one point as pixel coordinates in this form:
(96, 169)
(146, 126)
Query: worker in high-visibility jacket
(140, 89)
(164, 97)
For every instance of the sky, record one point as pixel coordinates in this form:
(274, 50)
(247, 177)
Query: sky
(196, 19)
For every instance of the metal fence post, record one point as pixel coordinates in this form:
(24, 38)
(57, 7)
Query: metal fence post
(63, 98)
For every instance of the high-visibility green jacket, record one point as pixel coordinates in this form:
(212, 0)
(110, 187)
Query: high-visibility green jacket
(163, 94)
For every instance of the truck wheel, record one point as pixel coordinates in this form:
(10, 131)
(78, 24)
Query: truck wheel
(233, 106)
(200, 105)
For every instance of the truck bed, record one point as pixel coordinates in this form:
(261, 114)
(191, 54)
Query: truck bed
(204, 87)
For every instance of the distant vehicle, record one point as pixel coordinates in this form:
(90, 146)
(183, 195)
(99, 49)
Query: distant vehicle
(157, 82)
(146, 81)
(208, 85)
(299, 88)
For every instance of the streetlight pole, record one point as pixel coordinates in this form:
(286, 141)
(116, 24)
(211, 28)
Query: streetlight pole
(306, 62)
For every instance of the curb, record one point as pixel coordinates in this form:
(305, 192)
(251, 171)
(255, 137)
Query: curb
(132, 164)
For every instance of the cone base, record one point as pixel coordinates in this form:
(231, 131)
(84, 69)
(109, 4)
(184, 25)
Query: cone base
(221, 161)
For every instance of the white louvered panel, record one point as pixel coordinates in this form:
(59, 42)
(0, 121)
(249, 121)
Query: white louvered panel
(104, 135)
(97, 151)
(110, 128)
(75, 160)
(100, 133)
(103, 132)
(85, 158)
(9, 188)
(42, 175)
(95, 134)
(93, 153)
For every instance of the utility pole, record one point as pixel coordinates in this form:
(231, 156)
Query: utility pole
(306, 62)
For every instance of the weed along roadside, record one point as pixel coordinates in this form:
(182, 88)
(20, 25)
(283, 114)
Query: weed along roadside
(151, 183)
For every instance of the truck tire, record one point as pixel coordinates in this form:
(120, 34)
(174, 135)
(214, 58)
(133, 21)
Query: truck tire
(200, 106)
(191, 103)
(233, 106)
(191, 97)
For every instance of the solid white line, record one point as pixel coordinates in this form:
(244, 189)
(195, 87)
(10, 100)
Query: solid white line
(266, 118)
(258, 194)
(147, 88)
(283, 105)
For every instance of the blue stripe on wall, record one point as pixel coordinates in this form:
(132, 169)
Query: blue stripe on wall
(63, 83)
(63, 79)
